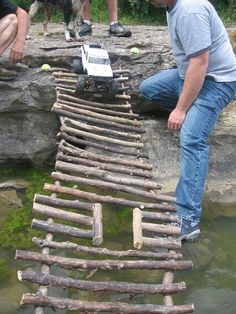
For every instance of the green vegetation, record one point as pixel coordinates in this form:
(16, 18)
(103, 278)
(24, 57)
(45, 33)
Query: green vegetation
(4, 269)
(16, 232)
(140, 12)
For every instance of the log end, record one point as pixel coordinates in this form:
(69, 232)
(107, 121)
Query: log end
(138, 245)
(19, 275)
(97, 240)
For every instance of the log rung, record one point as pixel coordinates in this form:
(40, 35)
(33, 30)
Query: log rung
(106, 252)
(85, 264)
(89, 285)
(62, 214)
(108, 307)
(61, 229)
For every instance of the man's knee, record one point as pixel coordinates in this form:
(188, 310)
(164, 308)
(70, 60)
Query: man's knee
(143, 88)
(9, 21)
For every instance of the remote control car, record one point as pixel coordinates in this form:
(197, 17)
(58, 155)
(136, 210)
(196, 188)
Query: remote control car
(95, 70)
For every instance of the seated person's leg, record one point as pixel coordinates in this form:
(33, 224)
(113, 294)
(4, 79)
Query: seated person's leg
(8, 30)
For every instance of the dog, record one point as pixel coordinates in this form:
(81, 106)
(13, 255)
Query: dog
(70, 8)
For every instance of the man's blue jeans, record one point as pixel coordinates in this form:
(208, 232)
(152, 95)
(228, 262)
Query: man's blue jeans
(164, 89)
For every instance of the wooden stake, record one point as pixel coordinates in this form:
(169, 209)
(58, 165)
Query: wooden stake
(137, 229)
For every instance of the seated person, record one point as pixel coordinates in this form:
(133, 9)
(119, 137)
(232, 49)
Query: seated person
(13, 29)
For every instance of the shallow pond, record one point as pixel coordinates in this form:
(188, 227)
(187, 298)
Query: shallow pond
(211, 285)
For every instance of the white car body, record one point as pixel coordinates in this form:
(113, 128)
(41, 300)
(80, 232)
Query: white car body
(96, 62)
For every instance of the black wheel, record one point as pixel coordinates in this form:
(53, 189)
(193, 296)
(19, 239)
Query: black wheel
(113, 89)
(81, 83)
(78, 67)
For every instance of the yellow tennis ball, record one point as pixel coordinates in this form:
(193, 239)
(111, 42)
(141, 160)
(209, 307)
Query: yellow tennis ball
(135, 50)
(45, 67)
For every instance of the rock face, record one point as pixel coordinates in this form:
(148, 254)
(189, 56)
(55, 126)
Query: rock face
(28, 128)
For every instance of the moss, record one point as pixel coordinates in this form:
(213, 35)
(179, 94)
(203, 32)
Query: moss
(16, 232)
(4, 269)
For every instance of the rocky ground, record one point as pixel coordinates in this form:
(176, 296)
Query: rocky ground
(28, 128)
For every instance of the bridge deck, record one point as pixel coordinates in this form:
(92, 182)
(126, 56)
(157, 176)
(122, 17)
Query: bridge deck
(101, 150)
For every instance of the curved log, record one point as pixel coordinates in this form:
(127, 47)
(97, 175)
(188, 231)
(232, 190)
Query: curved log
(99, 110)
(103, 166)
(95, 129)
(74, 151)
(100, 116)
(114, 141)
(116, 150)
(89, 119)
(93, 103)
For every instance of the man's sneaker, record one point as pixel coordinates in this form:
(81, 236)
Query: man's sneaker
(85, 29)
(190, 230)
(118, 30)
(7, 75)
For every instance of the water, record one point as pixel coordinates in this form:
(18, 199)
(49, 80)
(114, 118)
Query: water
(211, 285)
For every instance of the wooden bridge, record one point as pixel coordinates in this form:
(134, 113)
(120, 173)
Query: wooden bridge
(114, 161)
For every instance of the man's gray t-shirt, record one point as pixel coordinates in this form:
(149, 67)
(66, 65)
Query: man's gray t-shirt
(194, 27)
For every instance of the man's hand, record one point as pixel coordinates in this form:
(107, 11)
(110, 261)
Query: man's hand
(17, 52)
(176, 119)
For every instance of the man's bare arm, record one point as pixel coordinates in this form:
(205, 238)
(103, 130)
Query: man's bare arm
(17, 50)
(193, 82)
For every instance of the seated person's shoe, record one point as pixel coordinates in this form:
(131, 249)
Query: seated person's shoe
(85, 29)
(190, 230)
(119, 31)
(7, 75)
